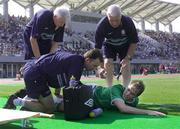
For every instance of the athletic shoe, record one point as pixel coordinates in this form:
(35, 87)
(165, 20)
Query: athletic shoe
(9, 104)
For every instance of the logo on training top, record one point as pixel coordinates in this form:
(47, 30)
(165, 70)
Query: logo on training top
(110, 33)
(46, 36)
(89, 103)
(123, 32)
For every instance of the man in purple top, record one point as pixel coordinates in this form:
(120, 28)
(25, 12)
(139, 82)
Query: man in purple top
(45, 30)
(53, 70)
(118, 35)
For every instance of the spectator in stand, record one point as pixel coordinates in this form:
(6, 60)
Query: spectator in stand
(161, 68)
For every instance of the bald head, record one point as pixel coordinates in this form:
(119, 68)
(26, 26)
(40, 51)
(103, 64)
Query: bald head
(114, 11)
(62, 16)
(114, 15)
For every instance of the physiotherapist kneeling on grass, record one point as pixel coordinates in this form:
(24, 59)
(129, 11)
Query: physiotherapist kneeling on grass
(54, 70)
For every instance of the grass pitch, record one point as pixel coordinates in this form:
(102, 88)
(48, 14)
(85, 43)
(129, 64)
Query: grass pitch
(161, 93)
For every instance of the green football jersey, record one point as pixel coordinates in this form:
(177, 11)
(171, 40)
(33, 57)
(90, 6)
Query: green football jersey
(105, 96)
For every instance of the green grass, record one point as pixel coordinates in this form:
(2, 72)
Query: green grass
(161, 93)
(108, 120)
(161, 90)
(6, 90)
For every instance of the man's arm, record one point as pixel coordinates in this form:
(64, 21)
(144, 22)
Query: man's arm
(132, 110)
(131, 50)
(35, 47)
(130, 53)
(54, 46)
(133, 39)
(99, 36)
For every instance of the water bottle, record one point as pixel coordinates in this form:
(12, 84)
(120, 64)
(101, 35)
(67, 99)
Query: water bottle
(96, 112)
(72, 81)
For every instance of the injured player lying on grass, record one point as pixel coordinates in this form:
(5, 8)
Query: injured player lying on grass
(115, 97)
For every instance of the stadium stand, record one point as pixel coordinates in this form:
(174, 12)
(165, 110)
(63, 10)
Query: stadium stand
(11, 42)
(170, 44)
(159, 45)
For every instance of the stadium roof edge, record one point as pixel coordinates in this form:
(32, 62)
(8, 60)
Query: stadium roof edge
(149, 10)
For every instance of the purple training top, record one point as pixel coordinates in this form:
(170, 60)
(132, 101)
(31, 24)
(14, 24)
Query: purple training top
(124, 34)
(44, 30)
(59, 67)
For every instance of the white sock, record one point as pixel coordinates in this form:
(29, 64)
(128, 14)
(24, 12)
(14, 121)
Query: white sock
(57, 100)
(19, 102)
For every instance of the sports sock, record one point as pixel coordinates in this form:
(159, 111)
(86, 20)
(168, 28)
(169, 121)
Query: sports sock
(57, 99)
(19, 102)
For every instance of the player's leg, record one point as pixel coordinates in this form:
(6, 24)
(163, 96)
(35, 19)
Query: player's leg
(125, 70)
(110, 56)
(59, 107)
(48, 103)
(20, 93)
(44, 104)
(109, 67)
(29, 104)
(39, 98)
(126, 75)
(39, 95)
(9, 104)
(43, 96)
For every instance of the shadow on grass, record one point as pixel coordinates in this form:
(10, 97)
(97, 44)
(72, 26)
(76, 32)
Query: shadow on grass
(108, 117)
(15, 126)
(9, 126)
(170, 109)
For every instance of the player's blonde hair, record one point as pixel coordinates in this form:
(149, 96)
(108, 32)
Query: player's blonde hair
(138, 85)
(94, 54)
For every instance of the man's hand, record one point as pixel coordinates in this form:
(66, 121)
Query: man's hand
(124, 62)
(54, 46)
(35, 47)
(101, 73)
(156, 113)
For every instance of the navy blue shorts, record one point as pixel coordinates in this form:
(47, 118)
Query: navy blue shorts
(111, 51)
(36, 83)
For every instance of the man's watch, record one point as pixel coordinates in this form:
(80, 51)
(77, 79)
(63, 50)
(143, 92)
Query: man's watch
(129, 57)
